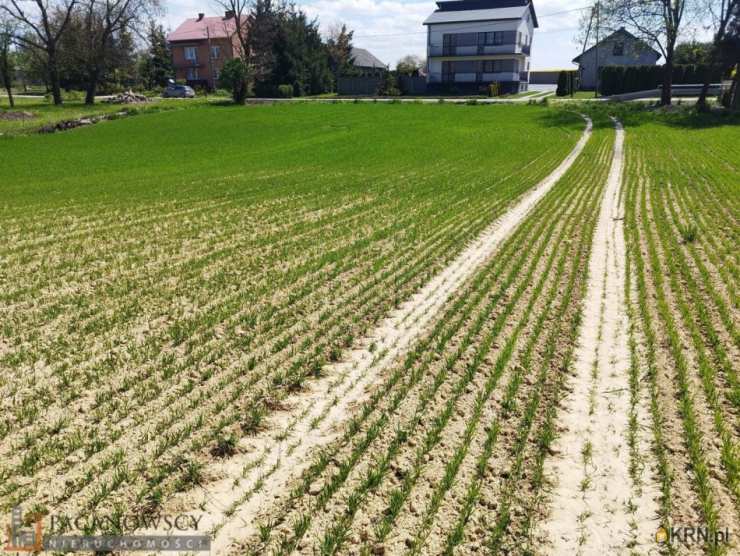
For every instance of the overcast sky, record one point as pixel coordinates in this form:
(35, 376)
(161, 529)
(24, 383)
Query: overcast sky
(391, 29)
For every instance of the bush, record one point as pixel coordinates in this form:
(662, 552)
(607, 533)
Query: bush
(285, 91)
(494, 89)
(562, 89)
(234, 78)
(389, 86)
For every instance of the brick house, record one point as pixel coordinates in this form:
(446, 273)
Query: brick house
(200, 46)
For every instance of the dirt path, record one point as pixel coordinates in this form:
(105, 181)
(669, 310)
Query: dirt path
(599, 504)
(262, 473)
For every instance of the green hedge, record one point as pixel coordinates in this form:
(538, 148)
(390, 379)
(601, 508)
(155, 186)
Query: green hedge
(615, 80)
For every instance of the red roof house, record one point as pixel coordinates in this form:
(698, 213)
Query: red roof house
(201, 45)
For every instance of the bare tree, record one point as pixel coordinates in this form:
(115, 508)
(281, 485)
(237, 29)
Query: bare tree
(7, 31)
(720, 14)
(239, 10)
(101, 21)
(46, 30)
(238, 76)
(657, 22)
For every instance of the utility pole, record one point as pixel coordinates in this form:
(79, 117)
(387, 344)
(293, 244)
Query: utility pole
(585, 45)
(596, 90)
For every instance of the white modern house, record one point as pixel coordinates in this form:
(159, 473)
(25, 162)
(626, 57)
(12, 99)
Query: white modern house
(472, 43)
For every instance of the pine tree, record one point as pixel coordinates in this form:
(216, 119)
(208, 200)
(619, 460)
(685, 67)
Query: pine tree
(156, 64)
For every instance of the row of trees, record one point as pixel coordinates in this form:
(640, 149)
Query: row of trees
(282, 51)
(77, 43)
(86, 44)
(660, 23)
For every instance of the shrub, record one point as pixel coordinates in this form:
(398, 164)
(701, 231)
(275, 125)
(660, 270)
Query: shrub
(285, 91)
(389, 86)
(234, 78)
(494, 89)
(562, 89)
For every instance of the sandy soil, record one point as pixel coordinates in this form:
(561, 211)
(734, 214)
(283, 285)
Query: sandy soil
(260, 477)
(597, 505)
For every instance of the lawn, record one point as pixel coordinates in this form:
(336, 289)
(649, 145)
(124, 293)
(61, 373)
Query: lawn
(168, 279)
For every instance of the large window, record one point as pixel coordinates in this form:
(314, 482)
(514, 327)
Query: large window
(450, 41)
(479, 66)
(191, 54)
(491, 38)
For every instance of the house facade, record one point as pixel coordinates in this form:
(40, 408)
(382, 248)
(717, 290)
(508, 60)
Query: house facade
(200, 47)
(621, 48)
(473, 43)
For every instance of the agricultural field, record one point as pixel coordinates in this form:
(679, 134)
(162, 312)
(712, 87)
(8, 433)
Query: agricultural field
(377, 328)
(682, 199)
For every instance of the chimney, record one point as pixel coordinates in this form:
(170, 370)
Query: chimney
(201, 16)
(229, 14)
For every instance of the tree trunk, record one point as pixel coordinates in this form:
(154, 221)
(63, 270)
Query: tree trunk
(56, 90)
(5, 74)
(666, 93)
(10, 94)
(92, 87)
(701, 104)
(711, 63)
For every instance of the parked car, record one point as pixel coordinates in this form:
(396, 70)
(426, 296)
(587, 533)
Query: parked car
(178, 91)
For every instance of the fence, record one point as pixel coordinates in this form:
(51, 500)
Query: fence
(358, 85)
(412, 84)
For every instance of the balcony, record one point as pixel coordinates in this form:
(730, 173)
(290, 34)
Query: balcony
(459, 77)
(482, 50)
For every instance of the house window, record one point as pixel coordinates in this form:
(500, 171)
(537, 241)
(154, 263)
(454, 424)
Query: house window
(215, 52)
(191, 54)
(216, 74)
(618, 49)
(192, 74)
(490, 66)
(493, 38)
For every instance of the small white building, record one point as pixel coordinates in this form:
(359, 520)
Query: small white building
(472, 43)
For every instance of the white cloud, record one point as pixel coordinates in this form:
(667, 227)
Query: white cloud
(393, 28)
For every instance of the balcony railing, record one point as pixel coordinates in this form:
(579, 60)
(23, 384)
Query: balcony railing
(481, 50)
(472, 77)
